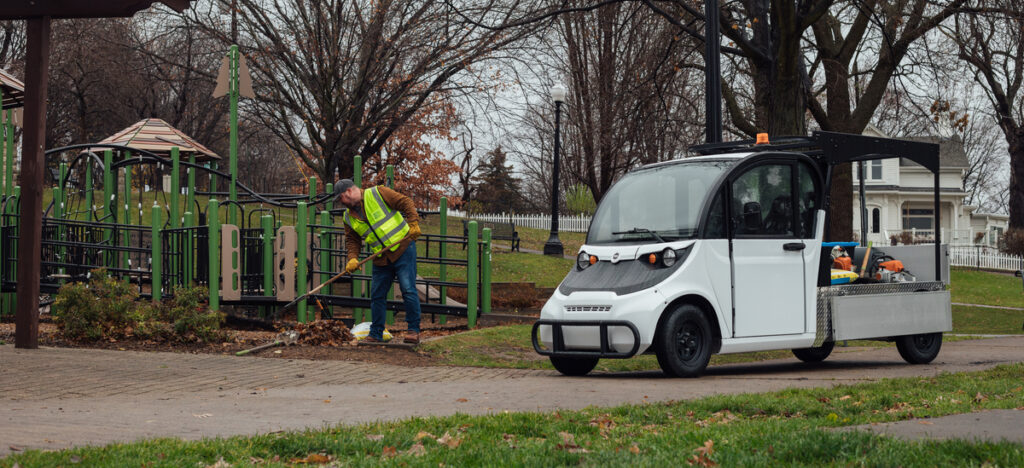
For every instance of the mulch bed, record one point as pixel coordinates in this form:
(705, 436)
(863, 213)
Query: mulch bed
(320, 340)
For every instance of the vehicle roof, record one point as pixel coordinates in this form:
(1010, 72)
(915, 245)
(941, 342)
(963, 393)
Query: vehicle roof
(712, 157)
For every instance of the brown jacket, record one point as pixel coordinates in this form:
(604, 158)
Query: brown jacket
(394, 200)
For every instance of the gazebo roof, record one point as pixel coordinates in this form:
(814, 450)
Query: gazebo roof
(13, 91)
(159, 137)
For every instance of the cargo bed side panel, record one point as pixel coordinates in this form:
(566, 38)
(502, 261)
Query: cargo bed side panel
(884, 315)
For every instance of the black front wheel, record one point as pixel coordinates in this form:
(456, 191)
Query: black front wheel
(816, 354)
(683, 342)
(919, 349)
(573, 365)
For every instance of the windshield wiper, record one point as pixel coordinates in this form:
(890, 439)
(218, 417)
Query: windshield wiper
(639, 230)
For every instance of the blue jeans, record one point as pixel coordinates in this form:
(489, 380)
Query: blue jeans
(405, 270)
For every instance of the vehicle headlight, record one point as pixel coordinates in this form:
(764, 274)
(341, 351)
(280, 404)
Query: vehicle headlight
(583, 260)
(668, 257)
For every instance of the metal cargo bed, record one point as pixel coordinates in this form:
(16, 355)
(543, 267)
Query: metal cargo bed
(881, 310)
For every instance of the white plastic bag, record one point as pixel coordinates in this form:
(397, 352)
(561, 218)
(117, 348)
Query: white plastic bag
(362, 330)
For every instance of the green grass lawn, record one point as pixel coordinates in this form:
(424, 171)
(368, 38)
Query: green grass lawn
(786, 428)
(986, 288)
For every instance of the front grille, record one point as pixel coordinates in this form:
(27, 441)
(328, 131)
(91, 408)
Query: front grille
(588, 308)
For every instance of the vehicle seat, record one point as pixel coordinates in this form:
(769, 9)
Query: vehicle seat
(780, 217)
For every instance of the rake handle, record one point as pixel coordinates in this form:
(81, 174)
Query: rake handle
(291, 304)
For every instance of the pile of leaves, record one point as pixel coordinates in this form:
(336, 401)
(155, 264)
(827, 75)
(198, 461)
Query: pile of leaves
(324, 333)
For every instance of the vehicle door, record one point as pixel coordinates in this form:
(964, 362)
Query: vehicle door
(768, 266)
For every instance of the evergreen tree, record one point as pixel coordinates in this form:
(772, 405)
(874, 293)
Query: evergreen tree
(496, 188)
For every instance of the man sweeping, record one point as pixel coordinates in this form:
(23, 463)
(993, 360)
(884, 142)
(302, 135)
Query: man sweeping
(383, 219)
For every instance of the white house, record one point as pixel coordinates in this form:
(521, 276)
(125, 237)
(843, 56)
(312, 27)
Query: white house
(898, 195)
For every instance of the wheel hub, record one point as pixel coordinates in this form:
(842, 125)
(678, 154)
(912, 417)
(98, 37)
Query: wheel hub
(687, 341)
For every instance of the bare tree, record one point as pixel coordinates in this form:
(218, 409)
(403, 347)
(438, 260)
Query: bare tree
(12, 45)
(994, 47)
(336, 79)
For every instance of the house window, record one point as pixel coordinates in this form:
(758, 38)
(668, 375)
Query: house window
(876, 218)
(873, 169)
(918, 218)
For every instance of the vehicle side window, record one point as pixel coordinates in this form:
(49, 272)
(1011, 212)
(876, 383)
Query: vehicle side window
(716, 218)
(807, 192)
(762, 201)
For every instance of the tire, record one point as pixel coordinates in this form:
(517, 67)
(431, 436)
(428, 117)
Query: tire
(683, 342)
(919, 349)
(817, 354)
(573, 366)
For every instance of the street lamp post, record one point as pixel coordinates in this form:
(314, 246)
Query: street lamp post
(554, 246)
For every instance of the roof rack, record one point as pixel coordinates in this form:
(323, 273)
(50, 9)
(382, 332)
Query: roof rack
(784, 143)
(834, 148)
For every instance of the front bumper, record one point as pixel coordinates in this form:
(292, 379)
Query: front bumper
(606, 351)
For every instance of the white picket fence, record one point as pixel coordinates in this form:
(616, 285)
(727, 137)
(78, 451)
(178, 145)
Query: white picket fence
(566, 223)
(984, 257)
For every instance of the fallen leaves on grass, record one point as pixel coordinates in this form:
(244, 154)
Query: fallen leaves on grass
(422, 435)
(313, 459)
(449, 441)
(569, 444)
(417, 449)
(603, 423)
(718, 417)
(374, 437)
(389, 451)
(702, 457)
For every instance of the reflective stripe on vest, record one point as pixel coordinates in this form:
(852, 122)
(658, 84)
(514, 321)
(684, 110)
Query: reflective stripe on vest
(383, 225)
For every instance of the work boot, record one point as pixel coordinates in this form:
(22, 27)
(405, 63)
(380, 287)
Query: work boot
(412, 338)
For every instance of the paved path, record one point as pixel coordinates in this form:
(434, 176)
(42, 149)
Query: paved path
(54, 398)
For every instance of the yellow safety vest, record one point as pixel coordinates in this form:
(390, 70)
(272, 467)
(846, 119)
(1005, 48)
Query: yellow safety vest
(383, 225)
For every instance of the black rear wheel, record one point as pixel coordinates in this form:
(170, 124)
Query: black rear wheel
(683, 342)
(919, 349)
(816, 354)
(572, 365)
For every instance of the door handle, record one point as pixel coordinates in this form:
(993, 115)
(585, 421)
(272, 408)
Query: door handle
(794, 246)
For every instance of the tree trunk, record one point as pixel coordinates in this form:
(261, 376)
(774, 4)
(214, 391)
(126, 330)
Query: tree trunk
(1016, 141)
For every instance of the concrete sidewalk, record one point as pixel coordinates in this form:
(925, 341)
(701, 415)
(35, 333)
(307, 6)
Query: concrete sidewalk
(54, 398)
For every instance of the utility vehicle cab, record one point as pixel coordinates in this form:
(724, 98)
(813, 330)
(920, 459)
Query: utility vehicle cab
(723, 253)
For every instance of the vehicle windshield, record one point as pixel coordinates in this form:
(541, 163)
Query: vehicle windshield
(659, 204)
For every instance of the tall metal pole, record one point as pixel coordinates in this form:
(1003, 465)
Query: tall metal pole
(712, 73)
(26, 334)
(554, 245)
(233, 143)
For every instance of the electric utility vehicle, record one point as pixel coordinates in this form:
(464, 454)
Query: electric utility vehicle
(724, 253)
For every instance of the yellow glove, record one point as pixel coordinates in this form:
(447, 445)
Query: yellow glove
(414, 231)
(352, 265)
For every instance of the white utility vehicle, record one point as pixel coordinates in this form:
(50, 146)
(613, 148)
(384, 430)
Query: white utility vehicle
(724, 253)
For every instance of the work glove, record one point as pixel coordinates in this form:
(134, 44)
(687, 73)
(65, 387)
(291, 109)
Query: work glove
(352, 265)
(414, 231)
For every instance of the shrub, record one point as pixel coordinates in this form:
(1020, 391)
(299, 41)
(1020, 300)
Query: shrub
(107, 308)
(1013, 242)
(579, 200)
(103, 308)
(190, 316)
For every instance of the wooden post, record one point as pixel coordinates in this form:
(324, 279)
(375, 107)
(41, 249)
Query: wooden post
(26, 334)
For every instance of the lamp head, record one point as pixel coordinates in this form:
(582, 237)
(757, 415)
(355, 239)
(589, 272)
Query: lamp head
(558, 93)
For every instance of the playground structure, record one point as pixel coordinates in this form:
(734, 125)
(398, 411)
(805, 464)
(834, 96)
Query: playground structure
(280, 247)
